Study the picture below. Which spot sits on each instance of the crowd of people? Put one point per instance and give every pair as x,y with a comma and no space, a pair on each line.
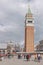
28,57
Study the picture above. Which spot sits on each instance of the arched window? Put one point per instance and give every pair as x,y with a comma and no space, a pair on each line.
29,21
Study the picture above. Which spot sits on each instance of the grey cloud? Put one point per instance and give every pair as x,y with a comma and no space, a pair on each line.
13,16
39,27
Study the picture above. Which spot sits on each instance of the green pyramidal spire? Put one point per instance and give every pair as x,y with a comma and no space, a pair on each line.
29,11
29,14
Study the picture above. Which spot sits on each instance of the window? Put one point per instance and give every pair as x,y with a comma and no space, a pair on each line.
29,21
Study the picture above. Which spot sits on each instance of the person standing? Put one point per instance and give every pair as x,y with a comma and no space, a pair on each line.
39,57
27,57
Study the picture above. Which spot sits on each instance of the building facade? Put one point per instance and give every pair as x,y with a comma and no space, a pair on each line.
39,47
7,48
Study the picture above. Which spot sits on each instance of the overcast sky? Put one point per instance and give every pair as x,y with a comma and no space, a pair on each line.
12,17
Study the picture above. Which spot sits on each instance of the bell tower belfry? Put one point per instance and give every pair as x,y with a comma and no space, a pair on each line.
29,32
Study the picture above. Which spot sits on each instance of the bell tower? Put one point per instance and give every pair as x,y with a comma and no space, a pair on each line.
29,32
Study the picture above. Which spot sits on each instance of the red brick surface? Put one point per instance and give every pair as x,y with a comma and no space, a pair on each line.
29,38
